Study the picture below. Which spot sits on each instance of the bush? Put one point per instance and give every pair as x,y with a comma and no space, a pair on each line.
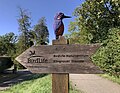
5,62
108,56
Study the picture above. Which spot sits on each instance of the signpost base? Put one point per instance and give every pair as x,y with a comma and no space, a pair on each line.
60,82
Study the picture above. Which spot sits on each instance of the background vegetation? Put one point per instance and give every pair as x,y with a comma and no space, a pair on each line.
98,21
13,45
5,62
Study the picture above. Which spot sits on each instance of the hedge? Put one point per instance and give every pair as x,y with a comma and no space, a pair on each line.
108,56
5,62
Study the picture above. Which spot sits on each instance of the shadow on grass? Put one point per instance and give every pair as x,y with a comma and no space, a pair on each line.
21,76
6,77
35,76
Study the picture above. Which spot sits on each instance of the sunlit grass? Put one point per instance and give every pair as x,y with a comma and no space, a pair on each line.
112,78
37,84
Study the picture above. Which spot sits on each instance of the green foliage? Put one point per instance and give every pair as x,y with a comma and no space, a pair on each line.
24,28
94,19
112,78
108,56
41,31
5,62
98,21
7,44
8,48
11,45
28,36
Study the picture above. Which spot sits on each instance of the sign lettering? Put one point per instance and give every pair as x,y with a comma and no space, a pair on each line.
59,59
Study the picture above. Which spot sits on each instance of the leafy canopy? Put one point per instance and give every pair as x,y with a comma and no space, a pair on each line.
98,21
24,28
7,44
41,31
94,19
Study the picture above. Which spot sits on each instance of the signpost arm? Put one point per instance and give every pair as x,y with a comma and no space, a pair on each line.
60,82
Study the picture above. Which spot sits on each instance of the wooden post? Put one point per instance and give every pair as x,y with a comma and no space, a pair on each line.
60,82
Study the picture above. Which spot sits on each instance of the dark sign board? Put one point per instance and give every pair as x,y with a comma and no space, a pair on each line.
60,59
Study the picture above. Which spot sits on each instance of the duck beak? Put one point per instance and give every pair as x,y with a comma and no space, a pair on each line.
67,16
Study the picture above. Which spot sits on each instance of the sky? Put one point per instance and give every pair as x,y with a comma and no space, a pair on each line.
9,13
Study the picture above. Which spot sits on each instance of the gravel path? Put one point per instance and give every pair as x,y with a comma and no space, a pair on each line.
90,83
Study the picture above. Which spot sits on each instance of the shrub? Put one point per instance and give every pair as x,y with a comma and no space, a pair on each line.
108,56
5,62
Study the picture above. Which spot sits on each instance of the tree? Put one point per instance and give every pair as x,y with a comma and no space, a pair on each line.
41,32
98,21
7,44
24,28
29,36
94,19
7,48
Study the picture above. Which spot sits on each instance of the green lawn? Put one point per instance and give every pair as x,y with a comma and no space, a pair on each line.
37,84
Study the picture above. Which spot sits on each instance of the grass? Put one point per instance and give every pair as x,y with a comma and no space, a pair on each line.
37,84
112,78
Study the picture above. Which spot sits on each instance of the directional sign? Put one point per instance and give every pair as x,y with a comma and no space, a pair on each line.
59,59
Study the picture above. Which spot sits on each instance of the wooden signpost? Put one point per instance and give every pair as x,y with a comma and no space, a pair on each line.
60,59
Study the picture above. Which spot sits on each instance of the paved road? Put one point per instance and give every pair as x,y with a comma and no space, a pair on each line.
90,83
